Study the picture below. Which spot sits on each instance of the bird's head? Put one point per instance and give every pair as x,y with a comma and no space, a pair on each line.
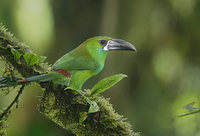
99,46
104,44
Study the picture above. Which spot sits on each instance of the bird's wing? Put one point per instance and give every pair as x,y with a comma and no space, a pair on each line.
71,63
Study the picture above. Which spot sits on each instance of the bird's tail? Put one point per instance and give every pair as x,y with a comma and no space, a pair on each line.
9,81
14,81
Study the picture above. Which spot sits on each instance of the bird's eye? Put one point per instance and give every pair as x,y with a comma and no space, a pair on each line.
103,42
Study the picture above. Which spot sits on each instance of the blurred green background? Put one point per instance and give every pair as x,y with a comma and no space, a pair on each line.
164,74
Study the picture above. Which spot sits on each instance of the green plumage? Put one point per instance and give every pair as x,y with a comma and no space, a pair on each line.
85,61
82,63
76,67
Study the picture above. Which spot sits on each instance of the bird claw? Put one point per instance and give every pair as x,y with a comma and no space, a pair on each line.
93,105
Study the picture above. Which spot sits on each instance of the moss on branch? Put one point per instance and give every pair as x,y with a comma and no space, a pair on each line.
61,106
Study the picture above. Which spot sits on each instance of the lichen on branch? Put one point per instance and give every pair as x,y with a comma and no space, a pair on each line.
62,106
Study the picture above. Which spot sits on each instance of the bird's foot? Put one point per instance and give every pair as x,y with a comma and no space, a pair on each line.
93,105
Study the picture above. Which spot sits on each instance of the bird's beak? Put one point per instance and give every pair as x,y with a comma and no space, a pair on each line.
117,44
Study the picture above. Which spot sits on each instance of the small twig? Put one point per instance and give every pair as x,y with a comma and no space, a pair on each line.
13,102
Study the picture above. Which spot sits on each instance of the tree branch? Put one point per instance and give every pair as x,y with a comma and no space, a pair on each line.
13,102
61,106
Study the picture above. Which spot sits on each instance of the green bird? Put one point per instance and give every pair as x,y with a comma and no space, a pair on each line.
76,67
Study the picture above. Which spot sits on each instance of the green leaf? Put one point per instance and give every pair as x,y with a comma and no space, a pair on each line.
106,83
191,109
15,53
42,59
30,59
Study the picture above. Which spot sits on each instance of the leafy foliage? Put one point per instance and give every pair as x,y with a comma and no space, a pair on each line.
15,53
106,83
30,59
42,59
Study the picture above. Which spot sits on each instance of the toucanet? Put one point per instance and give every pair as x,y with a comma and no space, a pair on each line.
76,67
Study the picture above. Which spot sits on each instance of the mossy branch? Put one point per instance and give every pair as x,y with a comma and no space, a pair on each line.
61,106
